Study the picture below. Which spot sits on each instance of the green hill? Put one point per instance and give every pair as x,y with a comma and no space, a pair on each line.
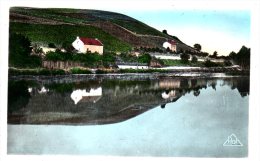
57,34
118,32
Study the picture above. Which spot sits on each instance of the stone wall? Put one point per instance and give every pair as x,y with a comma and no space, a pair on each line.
61,64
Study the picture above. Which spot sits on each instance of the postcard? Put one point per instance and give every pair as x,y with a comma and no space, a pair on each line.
111,81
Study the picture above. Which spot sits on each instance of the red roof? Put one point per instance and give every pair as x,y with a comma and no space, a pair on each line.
172,42
90,41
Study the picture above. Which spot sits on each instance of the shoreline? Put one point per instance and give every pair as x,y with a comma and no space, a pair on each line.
122,76
171,70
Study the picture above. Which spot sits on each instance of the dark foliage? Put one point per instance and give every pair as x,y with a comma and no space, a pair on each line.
197,47
185,58
18,95
19,52
145,58
209,63
242,58
194,59
51,45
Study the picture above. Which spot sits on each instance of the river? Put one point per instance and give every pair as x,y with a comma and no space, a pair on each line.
129,116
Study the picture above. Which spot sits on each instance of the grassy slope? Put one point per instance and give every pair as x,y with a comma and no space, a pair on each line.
60,33
77,16
138,27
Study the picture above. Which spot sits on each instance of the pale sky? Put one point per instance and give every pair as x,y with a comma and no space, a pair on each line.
221,31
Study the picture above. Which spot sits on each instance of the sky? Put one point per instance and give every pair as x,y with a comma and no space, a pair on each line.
215,30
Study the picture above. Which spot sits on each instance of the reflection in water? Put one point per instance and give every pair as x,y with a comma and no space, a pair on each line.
198,116
30,89
102,101
169,83
169,95
43,90
82,95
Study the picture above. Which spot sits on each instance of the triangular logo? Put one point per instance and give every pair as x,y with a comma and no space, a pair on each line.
232,141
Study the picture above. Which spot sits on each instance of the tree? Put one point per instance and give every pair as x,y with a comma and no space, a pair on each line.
165,32
215,54
197,47
185,58
194,59
232,55
243,57
205,54
20,52
67,46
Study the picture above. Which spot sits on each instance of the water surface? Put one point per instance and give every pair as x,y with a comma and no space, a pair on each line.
129,117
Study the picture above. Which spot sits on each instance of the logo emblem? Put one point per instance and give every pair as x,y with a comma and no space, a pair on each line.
232,141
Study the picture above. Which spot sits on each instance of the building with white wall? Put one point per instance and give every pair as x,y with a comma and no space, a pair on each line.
84,45
171,44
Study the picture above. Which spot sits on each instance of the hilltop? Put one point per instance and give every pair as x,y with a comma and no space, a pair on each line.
118,32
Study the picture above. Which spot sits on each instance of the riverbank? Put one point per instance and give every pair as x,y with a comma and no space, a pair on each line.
179,70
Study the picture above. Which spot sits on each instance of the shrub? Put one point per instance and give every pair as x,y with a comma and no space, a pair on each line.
80,71
227,63
51,45
209,63
145,58
185,58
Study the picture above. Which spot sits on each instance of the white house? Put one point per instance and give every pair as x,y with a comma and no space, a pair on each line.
84,45
171,44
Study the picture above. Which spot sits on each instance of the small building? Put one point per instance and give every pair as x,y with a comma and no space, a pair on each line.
84,45
132,66
171,44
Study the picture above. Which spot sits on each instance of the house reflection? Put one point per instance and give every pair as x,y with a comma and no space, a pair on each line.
80,95
169,95
43,90
103,102
169,83
35,90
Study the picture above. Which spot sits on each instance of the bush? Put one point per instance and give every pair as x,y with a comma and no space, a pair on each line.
145,58
185,58
51,45
90,59
80,71
227,63
209,63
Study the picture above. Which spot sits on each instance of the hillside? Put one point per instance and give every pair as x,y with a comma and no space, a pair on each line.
118,32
